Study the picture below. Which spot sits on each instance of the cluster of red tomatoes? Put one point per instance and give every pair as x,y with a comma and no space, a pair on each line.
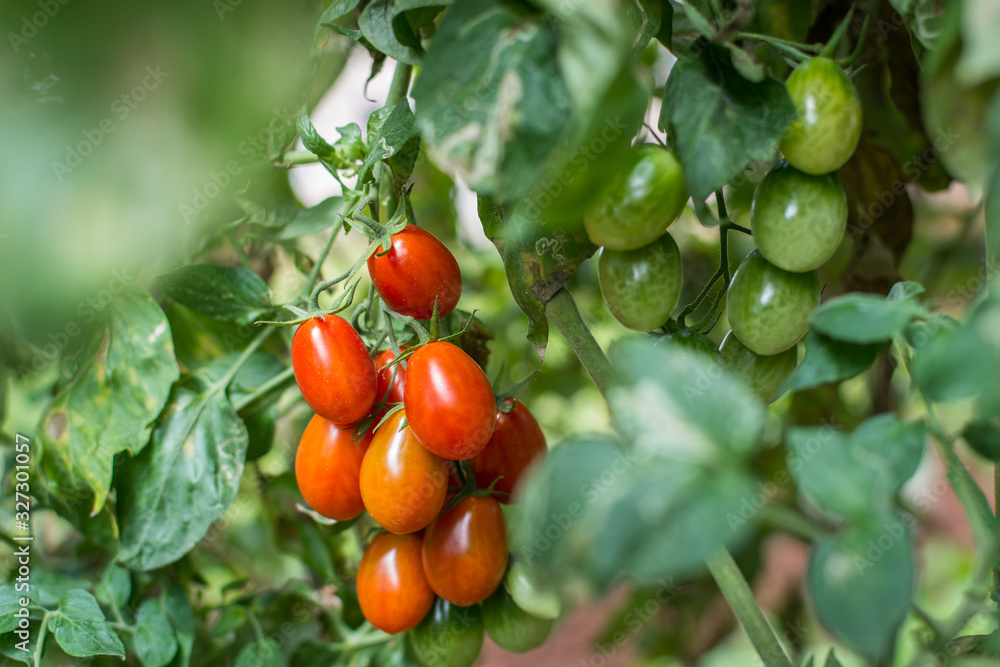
798,218
438,542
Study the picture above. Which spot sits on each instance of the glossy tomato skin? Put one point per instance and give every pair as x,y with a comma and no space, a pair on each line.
449,401
512,628
328,468
798,219
768,307
465,551
416,270
392,590
638,205
764,374
333,369
641,287
690,341
392,380
449,636
828,126
402,484
517,441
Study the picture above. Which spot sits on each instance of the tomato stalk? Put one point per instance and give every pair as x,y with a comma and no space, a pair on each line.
737,592
992,219
398,89
561,310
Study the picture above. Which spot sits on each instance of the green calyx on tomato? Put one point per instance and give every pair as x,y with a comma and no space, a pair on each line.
764,374
641,287
828,126
768,308
449,636
798,219
638,205
512,628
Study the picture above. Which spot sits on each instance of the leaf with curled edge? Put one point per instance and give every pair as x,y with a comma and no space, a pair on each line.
126,367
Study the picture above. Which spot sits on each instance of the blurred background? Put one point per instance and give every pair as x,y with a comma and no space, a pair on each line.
130,133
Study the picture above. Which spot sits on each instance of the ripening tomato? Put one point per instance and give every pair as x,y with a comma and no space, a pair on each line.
512,628
828,126
392,590
768,307
333,369
639,204
417,270
517,441
328,468
392,379
449,636
798,219
641,287
689,341
449,402
402,484
764,373
465,551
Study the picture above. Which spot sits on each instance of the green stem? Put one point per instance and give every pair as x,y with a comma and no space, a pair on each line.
398,89
992,219
318,265
838,35
790,521
40,646
279,381
561,310
238,247
241,360
361,642
737,592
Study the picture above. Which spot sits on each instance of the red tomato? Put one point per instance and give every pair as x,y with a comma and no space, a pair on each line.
417,269
449,401
333,369
402,484
392,589
387,382
465,551
328,468
516,442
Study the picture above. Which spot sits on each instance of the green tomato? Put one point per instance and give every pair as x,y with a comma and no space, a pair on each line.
764,374
512,628
690,341
798,219
530,593
828,126
768,307
449,636
639,204
641,287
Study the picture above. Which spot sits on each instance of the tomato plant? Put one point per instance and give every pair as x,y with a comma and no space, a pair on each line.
328,468
402,484
392,590
465,551
642,286
761,236
449,401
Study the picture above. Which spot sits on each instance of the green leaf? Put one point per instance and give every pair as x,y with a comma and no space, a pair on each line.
385,25
700,23
338,9
831,660
154,639
830,360
682,407
233,617
643,19
906,289
81,629
396,142
115,587
984,437
260,417
126,367
494,120
182,617
717,121
10,602
980,59
852,475
233,294
864,318
959,362
184,481
666,32
9,644
264,653
861,583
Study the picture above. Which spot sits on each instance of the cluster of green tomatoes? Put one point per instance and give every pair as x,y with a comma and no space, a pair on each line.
798,218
